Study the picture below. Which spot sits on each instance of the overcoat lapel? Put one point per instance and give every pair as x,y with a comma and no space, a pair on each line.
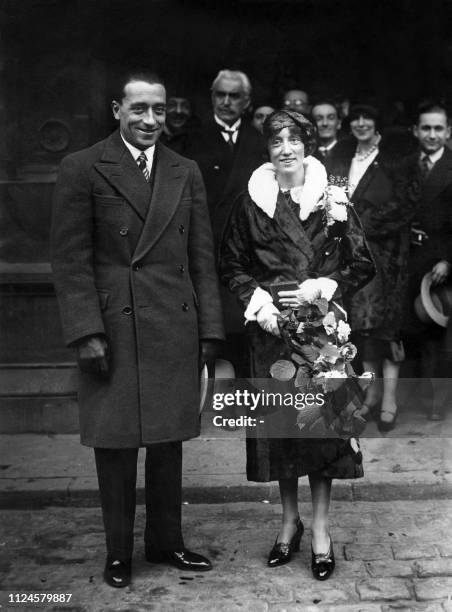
169,182
439,177
292,227
119,168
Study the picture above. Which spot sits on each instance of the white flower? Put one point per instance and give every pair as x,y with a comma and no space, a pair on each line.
331,380
335,204
348,351
343,331
337,212
329,323
336,195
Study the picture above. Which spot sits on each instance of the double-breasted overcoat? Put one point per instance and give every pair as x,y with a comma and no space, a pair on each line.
134,261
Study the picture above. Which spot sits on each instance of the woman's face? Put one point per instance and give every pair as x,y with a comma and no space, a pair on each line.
286,151
363,129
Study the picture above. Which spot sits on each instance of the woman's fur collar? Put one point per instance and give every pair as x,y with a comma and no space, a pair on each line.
263,187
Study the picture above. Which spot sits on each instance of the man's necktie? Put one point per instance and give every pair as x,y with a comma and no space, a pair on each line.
142,165
426,165
229,134
324,152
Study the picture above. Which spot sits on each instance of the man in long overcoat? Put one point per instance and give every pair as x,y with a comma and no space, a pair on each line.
134,271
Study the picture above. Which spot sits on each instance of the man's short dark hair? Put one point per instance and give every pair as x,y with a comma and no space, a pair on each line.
148,76
328,101
431,106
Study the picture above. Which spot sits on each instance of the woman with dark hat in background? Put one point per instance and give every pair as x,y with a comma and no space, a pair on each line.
376,189
276,234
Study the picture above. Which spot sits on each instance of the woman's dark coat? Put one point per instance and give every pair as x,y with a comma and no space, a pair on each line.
385,209
258,251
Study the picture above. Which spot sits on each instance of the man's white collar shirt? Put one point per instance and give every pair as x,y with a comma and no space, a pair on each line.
324,149
233,130
434,157
149,152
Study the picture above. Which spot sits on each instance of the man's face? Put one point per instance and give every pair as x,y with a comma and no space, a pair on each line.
178,112
229,100
327,121
141,113
260,115
296,100
432,131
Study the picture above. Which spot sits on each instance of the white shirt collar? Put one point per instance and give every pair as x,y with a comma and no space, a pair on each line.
328,147
225,126
149,152
433,156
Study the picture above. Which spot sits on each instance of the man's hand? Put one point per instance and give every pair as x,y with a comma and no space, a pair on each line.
92,355
266,317
440,272
209,350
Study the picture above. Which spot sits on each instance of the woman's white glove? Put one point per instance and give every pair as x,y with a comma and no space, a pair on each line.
267,318
309,290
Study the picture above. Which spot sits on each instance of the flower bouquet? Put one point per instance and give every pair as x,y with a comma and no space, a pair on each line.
317,334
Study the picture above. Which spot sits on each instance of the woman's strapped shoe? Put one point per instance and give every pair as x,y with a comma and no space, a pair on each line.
322,565
281,552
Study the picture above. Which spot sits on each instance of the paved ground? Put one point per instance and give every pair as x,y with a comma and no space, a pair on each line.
413,462
390,556
392,529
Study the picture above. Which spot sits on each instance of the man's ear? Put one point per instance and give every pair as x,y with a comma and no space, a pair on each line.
115,106
415,131
247,103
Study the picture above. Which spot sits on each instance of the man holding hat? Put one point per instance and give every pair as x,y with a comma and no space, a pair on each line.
431,169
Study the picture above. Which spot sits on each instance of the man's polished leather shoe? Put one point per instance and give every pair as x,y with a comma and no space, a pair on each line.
182,559
117,573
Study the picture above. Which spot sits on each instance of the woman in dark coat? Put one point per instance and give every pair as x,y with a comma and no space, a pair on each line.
277,234
376,189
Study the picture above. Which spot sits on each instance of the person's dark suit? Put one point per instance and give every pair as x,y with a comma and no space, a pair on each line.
133,262
328,157
226,172
434,217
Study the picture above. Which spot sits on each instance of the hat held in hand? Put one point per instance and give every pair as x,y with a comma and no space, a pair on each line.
434,303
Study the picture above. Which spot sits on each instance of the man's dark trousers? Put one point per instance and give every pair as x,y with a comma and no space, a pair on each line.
117,474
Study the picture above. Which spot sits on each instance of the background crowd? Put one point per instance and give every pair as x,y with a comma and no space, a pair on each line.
398,172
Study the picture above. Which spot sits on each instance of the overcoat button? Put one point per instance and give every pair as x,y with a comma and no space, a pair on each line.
216,167
327,252
181,269
137,266
127,310
185,306
124,231
181,229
